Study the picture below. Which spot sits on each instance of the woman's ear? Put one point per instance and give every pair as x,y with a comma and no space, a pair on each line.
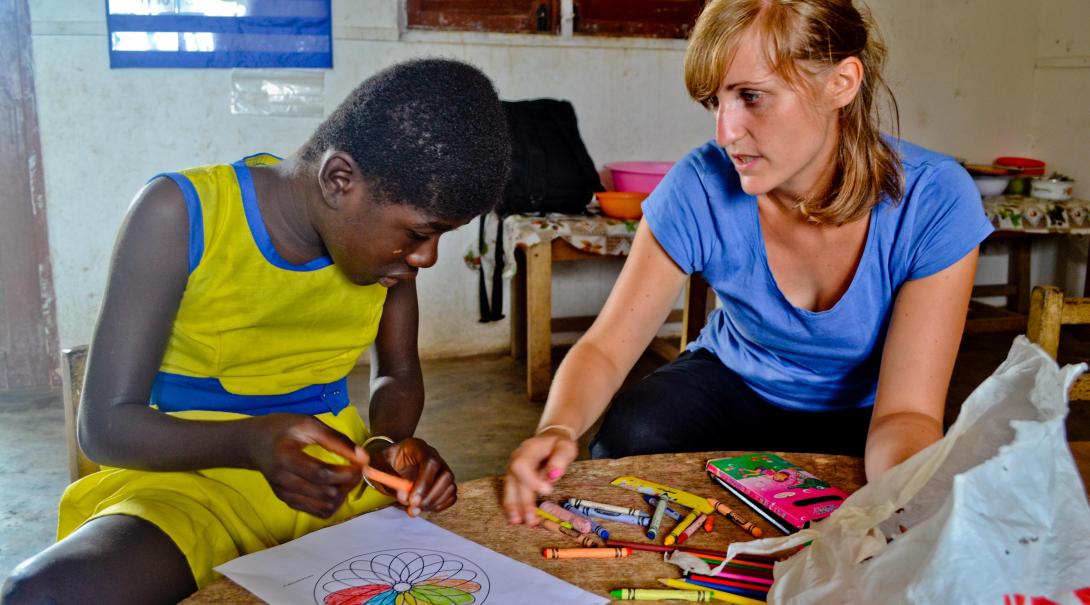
844,82
337,176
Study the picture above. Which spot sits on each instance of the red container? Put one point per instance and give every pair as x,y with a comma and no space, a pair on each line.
638,176
1023,166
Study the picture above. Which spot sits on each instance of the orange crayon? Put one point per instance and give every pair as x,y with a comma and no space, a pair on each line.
726,511
586,553
709,524
393,481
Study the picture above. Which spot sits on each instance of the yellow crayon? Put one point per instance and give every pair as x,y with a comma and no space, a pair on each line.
587,540
586,553
718,595
680,527
653,594
553,518
656,489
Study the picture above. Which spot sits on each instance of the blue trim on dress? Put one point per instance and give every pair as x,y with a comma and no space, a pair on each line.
257,223
196,216
178,393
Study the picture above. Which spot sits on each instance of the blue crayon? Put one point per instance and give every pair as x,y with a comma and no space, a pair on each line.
594,527
673,514
608,515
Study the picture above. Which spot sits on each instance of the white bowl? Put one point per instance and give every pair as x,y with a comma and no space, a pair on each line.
1051,189
991,185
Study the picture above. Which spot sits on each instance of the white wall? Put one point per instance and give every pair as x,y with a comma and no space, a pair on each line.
105,132
1061,118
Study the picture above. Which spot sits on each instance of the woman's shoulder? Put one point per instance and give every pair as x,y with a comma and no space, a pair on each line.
922,165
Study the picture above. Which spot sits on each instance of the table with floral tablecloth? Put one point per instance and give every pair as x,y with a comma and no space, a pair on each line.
1033,215
608,236
588,233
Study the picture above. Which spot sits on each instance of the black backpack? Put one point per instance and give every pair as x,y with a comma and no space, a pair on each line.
551,171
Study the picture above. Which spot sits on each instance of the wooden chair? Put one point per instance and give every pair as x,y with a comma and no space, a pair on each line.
73,362
1049,310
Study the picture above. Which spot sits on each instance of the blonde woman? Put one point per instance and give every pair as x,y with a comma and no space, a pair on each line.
843,259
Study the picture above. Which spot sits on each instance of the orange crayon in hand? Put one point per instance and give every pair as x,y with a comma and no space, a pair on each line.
586,553
392,481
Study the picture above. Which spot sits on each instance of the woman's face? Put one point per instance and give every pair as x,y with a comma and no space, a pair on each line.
779,139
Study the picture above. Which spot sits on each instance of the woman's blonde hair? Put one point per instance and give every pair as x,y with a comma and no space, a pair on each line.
802,37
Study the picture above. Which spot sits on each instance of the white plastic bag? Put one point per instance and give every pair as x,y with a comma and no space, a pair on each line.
994,512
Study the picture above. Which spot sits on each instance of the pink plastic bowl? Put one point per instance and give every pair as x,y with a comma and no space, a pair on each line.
637,176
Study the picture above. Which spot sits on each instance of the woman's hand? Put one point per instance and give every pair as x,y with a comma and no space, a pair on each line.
433,482
302,481
534,466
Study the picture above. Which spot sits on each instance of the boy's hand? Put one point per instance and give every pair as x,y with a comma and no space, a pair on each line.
302,481
433,482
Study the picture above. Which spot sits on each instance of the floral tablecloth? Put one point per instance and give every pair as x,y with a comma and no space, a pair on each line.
595,234
1015,213
603,235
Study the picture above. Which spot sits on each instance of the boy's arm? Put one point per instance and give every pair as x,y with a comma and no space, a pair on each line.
148,276
397,400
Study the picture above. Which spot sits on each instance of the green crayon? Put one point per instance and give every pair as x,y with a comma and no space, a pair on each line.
658,594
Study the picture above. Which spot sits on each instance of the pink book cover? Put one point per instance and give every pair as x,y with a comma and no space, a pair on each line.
790,492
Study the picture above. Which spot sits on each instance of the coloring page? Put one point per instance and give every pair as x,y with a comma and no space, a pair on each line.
388,558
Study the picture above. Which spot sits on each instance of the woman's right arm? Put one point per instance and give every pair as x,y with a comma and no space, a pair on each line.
593,371
148,275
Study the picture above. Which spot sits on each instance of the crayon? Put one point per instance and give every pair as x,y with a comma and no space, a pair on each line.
680,527
553,518
652,594
581,524
594,527
586,553
398,483
692,529
624,510
727,512
606,515
683,498
670,512
719,595
709,524
656,519
587,540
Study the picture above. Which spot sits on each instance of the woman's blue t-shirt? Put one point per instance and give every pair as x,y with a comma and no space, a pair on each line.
796,358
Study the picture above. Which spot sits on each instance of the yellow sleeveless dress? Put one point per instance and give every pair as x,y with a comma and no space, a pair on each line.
254,334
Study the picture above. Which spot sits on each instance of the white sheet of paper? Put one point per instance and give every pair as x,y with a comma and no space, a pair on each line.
376,557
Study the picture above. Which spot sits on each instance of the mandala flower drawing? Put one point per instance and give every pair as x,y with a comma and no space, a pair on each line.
403,577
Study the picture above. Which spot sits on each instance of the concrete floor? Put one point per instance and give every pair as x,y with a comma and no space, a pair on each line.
476,414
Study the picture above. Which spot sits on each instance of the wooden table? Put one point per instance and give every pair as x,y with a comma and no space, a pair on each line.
478,517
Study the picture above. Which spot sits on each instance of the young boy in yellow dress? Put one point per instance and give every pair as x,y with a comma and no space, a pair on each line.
239,298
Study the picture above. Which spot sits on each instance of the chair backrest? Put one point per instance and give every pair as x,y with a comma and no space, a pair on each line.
1049,310
73,362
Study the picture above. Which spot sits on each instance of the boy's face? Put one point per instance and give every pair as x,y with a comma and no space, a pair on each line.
384,243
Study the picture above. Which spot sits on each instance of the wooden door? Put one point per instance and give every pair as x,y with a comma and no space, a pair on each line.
28,333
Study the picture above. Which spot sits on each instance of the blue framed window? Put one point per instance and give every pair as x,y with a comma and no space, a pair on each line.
220,33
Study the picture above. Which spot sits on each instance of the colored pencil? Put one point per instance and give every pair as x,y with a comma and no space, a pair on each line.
749,592
736,577
718,594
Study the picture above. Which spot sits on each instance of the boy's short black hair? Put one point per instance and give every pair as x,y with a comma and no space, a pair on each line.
430,133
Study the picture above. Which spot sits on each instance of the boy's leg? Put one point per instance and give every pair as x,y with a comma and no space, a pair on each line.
111,559
692,404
